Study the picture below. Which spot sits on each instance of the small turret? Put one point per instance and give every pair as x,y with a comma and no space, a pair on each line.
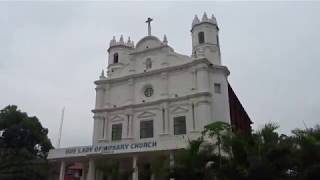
121,42
205,39
119,51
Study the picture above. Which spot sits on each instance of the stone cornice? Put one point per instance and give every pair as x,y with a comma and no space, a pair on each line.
119,45
150,49
165,69
206,22
160,101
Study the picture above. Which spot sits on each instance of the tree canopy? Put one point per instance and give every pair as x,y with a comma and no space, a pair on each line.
24,146
263,154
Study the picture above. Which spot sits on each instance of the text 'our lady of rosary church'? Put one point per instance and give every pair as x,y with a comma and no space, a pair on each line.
150,102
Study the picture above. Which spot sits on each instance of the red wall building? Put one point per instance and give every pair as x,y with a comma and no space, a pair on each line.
240,120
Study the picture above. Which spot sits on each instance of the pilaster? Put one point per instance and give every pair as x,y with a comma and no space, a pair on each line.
202,78
164,81
107,95
130,93
100,90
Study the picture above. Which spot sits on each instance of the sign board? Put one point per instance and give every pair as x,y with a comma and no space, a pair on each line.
117,148
111,148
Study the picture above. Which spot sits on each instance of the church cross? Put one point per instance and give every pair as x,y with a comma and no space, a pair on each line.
149,25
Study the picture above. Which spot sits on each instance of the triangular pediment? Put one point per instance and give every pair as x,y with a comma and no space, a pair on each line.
116,118
146,114
179,109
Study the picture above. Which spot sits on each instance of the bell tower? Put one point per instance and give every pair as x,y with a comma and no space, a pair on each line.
205,39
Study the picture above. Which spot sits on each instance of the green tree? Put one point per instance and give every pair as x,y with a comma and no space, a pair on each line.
24,146
307,152
220,132
263,154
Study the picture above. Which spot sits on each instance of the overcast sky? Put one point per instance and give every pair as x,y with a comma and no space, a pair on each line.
50,54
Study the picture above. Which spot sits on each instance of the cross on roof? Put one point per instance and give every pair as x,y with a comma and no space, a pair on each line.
149,25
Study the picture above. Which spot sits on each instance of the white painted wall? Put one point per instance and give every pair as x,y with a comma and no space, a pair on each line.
183,86
174,87
179,82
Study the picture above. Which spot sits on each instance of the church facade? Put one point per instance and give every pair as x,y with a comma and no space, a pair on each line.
151,100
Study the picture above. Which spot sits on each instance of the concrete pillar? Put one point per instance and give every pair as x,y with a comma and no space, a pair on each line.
165,118
62,170
130,128
135,174
91,170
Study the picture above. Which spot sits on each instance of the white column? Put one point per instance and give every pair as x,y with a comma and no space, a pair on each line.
135,174
91,170
62,170
130,124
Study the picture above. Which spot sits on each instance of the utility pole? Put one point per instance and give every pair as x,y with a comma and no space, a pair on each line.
60,129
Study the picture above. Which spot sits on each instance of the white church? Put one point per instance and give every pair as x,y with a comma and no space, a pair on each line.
150,101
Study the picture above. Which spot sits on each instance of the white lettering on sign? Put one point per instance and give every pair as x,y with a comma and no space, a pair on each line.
111,148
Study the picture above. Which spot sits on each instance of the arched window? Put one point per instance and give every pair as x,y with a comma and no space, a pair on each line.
201,37
148,63
115,58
